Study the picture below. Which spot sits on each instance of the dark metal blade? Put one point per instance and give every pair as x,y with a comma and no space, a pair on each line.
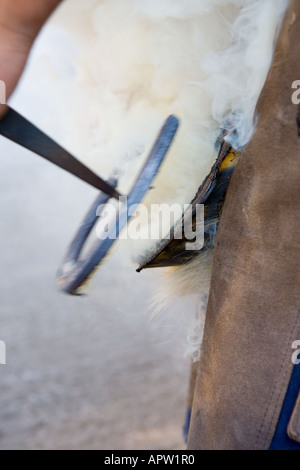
18,129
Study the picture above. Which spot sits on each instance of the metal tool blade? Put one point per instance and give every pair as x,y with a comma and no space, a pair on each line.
18,129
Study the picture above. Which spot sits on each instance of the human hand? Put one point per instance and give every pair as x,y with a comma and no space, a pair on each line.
20,23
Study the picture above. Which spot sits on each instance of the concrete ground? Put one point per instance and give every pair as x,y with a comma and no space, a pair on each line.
82,373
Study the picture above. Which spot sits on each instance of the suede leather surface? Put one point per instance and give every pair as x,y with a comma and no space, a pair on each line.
253,314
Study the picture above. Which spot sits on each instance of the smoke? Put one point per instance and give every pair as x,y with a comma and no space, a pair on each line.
205,61
238,74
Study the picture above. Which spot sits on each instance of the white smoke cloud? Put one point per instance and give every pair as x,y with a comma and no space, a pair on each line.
137,61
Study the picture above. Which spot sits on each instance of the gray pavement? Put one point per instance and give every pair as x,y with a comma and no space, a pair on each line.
82,373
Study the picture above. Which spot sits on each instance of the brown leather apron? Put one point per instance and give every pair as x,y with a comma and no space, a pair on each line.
253,314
